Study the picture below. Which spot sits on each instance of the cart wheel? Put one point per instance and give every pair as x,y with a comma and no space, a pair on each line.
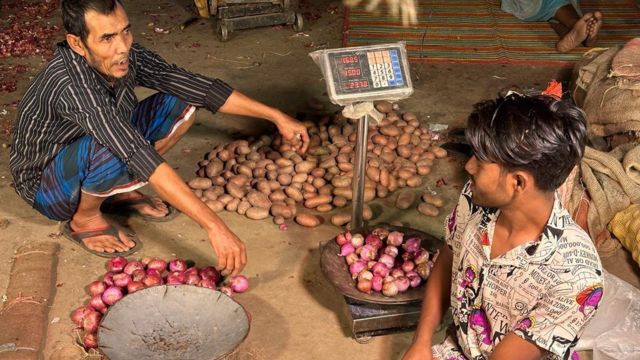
299,23
363,339
223,31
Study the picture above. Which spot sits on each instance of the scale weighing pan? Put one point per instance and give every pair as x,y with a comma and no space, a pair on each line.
173,322
336,270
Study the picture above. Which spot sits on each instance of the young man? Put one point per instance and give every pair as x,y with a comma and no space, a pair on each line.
573,29
521,278
83,138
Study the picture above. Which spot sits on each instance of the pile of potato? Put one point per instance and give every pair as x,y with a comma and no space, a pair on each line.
265,177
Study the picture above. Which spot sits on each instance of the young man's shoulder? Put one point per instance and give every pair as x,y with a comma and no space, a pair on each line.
575,250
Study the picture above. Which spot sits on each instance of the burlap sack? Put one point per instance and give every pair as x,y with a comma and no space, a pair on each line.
625,225
612,104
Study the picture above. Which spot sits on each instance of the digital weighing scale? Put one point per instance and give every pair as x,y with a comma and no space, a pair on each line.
356,76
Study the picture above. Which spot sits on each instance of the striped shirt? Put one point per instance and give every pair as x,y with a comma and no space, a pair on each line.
69,99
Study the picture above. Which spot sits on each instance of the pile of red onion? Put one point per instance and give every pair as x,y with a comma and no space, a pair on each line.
128,276
385,261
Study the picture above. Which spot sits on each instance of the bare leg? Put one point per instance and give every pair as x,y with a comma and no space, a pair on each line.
88,216
159,208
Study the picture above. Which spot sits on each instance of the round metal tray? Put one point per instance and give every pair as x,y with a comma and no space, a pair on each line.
173,322
336,270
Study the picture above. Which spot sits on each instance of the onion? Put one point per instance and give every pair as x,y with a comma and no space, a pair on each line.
152,280
176,278
357,240
373,240
382,233
78,315
91,321
116,264
145,260
388,278
341,239
138,275
387,260
376,283
134,286
407,256
364,286
423,270
411,274
367,252
408,266
415,281
380,269
346,249
356,268
226,290
90,341
191,270
365,275
192,279
132,266
211,273
97,288
207,283
238,283
402,283
97,304
158,265
112,295
108,278
177,265
153,272
351,258
121,280
395,238
370,264
390,288
391,251
348,236
421,257
396,273
412,244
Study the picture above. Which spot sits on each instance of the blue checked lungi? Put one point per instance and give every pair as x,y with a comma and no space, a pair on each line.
87,166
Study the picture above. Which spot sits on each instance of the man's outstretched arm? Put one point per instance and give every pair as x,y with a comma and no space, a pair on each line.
435,303
229,249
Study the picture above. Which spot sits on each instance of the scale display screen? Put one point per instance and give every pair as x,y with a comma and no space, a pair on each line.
366,73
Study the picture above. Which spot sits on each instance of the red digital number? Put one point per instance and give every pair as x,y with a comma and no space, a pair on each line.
351,72
350,59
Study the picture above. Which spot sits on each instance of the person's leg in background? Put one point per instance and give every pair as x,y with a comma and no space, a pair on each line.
574,29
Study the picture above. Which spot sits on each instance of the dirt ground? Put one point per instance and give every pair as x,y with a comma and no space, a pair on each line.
296,313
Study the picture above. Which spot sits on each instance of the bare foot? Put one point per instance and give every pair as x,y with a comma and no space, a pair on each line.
157,209
576,36
102,243
593,26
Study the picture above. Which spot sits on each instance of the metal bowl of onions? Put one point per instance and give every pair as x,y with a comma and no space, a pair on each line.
173,322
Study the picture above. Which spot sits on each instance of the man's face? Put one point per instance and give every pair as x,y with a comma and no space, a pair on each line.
489,183
108,42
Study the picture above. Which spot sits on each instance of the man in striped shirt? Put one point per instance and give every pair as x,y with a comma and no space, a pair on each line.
83,143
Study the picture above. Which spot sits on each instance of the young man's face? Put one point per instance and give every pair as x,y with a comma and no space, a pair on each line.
108,42
489,183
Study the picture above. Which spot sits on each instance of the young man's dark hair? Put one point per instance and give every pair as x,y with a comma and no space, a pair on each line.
539,134
73,12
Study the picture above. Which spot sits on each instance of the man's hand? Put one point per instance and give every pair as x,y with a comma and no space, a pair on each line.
418,352
230,251
293,132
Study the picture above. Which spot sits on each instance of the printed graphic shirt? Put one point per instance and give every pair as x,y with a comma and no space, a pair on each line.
544,291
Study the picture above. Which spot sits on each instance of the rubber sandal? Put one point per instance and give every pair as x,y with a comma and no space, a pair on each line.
78,236
125,208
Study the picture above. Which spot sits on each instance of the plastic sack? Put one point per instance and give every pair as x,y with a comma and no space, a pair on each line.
614,332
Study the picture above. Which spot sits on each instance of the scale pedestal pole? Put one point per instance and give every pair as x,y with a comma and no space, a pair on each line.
359,173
